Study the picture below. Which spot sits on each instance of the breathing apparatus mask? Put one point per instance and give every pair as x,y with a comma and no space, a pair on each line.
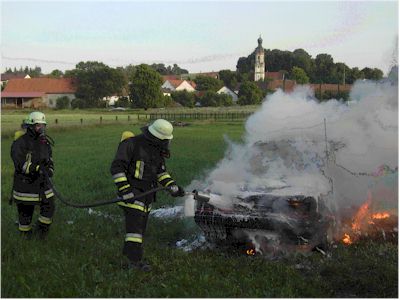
37,130
40,130
162,145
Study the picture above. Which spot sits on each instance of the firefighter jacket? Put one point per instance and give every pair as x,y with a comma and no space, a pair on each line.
30,153
139,165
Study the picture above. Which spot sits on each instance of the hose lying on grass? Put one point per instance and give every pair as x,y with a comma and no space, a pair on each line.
62,199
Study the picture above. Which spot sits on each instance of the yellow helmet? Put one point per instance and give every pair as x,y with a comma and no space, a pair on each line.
161,129
36,117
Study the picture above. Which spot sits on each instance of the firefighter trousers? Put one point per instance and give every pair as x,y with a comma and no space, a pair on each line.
25,213
135,228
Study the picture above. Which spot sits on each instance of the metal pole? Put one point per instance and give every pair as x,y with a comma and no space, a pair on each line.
326,141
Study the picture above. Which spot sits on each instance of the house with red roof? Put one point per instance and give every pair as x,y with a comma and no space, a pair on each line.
280,75
5,77
172,85
36,92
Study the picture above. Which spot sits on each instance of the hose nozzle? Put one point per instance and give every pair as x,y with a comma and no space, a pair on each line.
200,196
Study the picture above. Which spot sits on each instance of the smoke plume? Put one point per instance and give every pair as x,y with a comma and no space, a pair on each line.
295,145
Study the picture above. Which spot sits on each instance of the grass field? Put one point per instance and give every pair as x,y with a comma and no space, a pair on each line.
82,255
12,119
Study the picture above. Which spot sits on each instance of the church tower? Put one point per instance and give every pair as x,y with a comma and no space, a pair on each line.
259,67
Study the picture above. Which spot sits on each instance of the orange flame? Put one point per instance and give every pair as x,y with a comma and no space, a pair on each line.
250,252
360,215
346,239
383,215
361,219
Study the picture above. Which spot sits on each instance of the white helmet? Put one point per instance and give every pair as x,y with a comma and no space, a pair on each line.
36,117
161,129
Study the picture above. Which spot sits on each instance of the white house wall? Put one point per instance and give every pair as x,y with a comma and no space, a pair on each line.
185,86
225,90
168,85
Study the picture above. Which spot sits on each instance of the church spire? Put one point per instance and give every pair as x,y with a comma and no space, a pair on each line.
259,66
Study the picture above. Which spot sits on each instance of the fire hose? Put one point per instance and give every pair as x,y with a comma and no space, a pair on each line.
115,200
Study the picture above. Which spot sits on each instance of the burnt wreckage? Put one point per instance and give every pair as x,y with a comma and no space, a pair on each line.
269,224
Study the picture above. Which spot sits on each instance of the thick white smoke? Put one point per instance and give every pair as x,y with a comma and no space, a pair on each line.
296,145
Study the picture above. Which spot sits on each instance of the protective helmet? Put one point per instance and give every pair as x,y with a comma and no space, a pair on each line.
161,129
36,117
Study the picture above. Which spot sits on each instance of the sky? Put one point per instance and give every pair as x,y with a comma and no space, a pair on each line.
198,36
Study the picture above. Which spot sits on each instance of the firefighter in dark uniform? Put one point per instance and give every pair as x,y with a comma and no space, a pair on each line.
32,155
138,166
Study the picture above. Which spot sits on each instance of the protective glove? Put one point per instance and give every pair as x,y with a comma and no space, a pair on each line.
35,169
176,191
50,171
46,166
127,196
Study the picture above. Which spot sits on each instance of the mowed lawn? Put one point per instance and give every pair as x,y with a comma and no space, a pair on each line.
82,255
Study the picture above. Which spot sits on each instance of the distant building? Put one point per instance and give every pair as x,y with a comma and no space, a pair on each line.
275,75
173,85
111,100
5,77
259,66
36,92
229,92
284,84
173,77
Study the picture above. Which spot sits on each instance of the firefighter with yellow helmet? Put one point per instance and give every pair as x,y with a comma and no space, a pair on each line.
139,166
32,155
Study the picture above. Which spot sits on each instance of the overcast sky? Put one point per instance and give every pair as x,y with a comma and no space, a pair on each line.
198,36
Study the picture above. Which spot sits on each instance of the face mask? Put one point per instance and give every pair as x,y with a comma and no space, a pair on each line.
40,131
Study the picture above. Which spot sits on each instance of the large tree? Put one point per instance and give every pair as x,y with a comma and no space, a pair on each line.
56,73
372,74
229,78
210,98
206,83
184,98
95,81
163,70
249,93
277,60
323,68
299,75
245,65
304,61
145,87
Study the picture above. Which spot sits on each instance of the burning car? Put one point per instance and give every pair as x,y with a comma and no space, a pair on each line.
270,212
264,223
281,198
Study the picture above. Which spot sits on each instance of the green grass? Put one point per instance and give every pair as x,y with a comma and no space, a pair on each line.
82,255
11,119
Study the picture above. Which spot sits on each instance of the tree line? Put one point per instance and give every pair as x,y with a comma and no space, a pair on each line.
300,66
140,86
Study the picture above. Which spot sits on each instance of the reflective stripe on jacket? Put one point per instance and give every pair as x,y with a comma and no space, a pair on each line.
139,163
27,152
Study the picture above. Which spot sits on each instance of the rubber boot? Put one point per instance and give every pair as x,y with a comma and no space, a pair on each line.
42,230
139,265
